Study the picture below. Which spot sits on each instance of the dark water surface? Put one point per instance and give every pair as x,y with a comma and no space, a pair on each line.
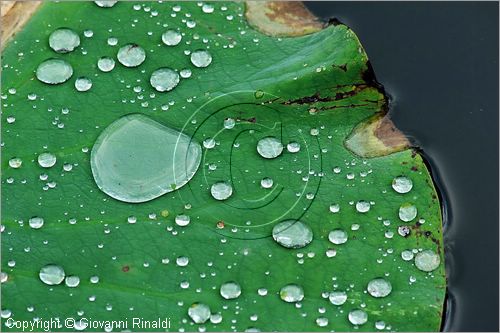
439,61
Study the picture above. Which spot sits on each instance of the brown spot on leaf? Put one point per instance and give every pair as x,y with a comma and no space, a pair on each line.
282,18
15,14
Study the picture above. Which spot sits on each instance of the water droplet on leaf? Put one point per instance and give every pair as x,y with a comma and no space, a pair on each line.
52,274
337,297
402,184
83,84
427,260
269,147
47,160
54,71
358,317
221,190
119,154
337,236
292,234
171,37
201,58
230,290
63,40
164,79
199,313
292,293
36,222
407,212
379,287
131,55
106,64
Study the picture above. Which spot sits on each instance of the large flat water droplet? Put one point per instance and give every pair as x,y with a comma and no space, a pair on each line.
292,234
63,40
137,159
54,71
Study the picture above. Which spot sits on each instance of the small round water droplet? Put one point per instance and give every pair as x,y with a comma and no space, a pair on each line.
258,94
131,55
266,182
337,297
88,33
54,71
52,274
334,208
379,287
106,3
262,291
182,220
15,162
358,317
182,261
47,160
63,40
207,8
292,293
337,236
164,79
363,206
402,184
407,212
132,219
269,147
221,190
185,73
106,64
112,41
171,37
201,58
36,222
293,147
407,255
229,123
427,260
380,325
209,143
72,281
404,231
292,234
83,84
216,318
230,290
322,321
199,313
331,253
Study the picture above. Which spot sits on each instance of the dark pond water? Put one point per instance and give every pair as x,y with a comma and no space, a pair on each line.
439,61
